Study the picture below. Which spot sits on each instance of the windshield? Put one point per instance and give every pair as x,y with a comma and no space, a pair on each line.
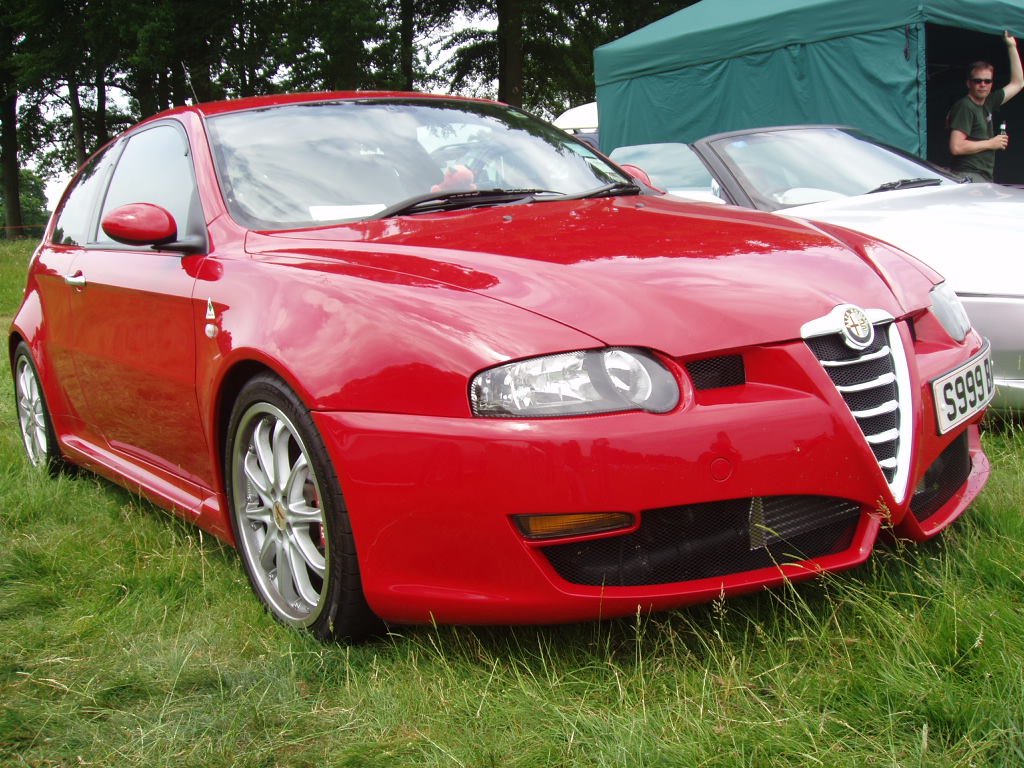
309,164
780,169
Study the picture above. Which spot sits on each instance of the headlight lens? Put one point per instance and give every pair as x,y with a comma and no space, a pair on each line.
575,383
950,311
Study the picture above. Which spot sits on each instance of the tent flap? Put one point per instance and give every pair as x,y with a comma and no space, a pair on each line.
722,65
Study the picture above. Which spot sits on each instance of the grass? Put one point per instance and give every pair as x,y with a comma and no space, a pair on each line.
129,638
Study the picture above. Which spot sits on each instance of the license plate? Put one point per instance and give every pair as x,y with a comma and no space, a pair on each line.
962,393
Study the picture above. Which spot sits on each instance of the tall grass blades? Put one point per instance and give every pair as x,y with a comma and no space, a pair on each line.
127,638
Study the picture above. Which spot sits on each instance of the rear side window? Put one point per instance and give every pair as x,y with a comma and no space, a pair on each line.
76,221
155,167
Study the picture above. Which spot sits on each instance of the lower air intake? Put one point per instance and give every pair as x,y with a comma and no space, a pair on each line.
942,480
705,540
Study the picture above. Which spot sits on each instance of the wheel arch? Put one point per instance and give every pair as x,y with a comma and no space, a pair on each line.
231,385
26,327
13,340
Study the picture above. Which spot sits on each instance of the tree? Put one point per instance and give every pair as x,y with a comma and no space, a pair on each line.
541,53
415,20
9,127
75,72
32,194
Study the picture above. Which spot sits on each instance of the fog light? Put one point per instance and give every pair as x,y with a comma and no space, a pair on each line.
562,526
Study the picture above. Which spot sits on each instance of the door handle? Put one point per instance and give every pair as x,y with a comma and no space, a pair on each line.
77,279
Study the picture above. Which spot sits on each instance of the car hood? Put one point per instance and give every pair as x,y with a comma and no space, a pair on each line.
679,277
973,234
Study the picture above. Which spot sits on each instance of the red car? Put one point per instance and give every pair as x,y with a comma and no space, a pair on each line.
430,359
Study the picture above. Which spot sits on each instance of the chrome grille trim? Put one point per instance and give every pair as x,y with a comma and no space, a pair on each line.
883,352
888,436
881,381
881,410
885,417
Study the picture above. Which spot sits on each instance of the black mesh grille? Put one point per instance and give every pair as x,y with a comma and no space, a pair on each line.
863,401
872,425
885,451
857,374
852,368
943,479
705,540
715,372
832,347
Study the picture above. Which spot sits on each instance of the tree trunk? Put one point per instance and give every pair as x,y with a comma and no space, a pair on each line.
77,126
9,163
9,169
510,51
102,136
407,31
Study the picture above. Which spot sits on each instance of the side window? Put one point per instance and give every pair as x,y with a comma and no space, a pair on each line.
155,167
76,220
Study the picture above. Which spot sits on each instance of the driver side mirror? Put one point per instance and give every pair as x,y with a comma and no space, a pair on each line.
140,224
148,224
640,175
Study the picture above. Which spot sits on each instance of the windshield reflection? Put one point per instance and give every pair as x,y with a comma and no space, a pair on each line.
310,164
785,168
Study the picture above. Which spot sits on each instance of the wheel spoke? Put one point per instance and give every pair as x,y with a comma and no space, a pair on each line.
301,582
302,539
285,573
281,443
302,497
268,550
260,514
256,475
264,452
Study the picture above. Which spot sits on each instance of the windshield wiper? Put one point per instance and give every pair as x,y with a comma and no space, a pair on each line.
889,186
449,201
608,190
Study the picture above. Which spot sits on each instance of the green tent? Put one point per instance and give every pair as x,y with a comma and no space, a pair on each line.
889,67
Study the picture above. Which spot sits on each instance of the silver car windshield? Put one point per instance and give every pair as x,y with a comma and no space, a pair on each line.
301,165
780,169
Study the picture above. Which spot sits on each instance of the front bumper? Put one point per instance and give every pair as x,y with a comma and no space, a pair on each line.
432,500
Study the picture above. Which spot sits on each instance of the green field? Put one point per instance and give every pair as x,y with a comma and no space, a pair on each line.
128,638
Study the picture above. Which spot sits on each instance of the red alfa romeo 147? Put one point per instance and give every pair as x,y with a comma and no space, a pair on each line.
430,359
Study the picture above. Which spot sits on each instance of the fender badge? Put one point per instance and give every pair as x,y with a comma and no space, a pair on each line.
858,333
210,313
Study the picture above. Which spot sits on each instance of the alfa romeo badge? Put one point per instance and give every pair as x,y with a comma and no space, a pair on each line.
858,333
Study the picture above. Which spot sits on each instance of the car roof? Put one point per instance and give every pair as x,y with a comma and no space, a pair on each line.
778,128
208,109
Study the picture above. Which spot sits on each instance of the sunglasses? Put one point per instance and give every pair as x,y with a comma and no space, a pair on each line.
981,80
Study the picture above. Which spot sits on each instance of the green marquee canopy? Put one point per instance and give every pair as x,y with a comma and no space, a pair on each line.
724,65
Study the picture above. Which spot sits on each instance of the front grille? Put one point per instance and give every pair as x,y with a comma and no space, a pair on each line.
869,381
942,480
717,372
704,540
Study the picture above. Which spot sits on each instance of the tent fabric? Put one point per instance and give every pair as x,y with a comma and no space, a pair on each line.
724,65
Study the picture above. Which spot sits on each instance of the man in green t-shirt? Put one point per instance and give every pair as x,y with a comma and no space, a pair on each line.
973,140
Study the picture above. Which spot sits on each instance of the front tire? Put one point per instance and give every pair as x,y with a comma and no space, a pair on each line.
289,517
37,433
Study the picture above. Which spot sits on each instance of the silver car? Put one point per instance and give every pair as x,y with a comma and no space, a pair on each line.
973,234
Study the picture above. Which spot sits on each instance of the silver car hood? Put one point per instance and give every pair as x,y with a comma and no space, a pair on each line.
973,234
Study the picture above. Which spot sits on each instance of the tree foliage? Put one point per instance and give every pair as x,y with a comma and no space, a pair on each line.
75,72
32,200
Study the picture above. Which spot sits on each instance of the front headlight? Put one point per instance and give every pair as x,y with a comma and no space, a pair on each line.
948,308
575,383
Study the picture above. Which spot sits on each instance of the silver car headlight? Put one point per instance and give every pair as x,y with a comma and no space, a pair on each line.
574,384
950,311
